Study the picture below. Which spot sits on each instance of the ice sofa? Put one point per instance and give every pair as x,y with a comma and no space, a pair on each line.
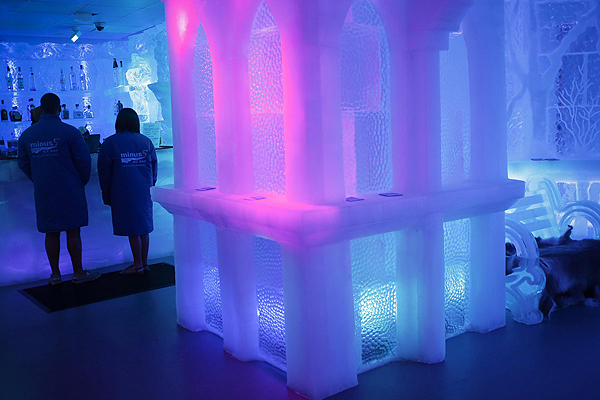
291,118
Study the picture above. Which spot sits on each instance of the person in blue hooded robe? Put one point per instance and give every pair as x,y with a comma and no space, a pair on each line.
56,159
127,169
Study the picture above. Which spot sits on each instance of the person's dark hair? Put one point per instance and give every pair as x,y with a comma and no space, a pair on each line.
50,104
127,121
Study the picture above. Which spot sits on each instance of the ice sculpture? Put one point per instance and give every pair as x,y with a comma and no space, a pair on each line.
299,105
525,283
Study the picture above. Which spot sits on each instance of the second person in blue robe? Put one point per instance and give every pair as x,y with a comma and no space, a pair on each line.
127,169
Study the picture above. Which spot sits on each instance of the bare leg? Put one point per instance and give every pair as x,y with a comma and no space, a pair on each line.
136,249
53,251
145,246
74,247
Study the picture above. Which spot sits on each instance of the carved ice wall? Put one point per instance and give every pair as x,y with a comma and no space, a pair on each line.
553,76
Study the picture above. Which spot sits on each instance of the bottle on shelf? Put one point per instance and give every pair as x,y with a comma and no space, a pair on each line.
87,112
72,80
30,108
116,72
31,80
77,113
122,77
82,78
64,112
20,83
15,114
3,113
9,80
63,82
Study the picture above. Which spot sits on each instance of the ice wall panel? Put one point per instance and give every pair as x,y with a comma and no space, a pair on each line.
365,102
205,111
555,20
455,111
269,291
457,238
266,96
552,79
373,280
210,268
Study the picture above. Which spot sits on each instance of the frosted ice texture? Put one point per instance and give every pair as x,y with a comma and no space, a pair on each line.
205,111
266,96
552,76
519,112
210,268
374,290
365,102
268,266
555,20
457,255
455,111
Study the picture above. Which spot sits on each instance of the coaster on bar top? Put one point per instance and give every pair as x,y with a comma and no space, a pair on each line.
390,194
254,198
351,199
205,188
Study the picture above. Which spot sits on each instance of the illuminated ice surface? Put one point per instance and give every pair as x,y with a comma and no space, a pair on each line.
299,107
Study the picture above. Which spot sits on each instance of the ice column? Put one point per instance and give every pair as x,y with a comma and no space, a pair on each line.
317,282
484,37
182,24
228,27
416,138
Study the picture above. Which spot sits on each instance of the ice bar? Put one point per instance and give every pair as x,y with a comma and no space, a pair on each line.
323,222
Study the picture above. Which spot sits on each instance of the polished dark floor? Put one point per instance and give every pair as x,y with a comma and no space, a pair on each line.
131,348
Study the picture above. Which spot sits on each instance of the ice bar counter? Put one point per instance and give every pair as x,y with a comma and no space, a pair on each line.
314,225
323,221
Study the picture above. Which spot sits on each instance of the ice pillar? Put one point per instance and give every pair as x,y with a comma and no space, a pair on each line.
238,294
421,267
182,25
319,320
310,44
484,37
317,281
420,292
228,26
189,279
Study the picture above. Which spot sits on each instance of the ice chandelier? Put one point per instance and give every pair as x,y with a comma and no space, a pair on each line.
268,252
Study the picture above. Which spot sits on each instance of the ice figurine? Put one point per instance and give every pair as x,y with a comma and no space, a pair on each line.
525,283
284,109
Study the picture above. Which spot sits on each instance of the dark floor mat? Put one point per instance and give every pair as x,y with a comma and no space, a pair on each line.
109,286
